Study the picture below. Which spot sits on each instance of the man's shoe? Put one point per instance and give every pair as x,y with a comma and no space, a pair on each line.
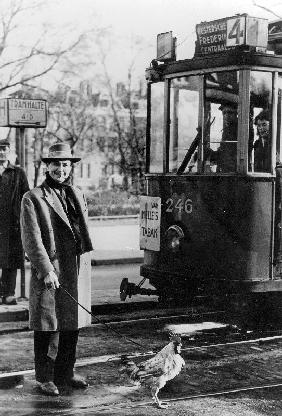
48,388
77,382
9,300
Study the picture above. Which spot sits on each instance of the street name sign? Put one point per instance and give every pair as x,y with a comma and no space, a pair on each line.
15,112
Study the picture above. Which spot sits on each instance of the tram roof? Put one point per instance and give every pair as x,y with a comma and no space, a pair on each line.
232,58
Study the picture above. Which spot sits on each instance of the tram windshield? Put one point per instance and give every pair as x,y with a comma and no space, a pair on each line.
203,123
157,129
184,110
260,122
221,98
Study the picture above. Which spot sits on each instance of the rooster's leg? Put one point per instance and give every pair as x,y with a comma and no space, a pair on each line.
161,405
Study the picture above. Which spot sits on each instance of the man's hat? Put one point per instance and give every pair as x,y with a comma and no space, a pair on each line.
60,151
263,115
4,143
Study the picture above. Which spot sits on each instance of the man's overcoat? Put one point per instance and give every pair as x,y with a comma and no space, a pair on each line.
49,242
13,185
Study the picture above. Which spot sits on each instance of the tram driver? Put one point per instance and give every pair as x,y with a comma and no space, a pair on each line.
224,159
227,151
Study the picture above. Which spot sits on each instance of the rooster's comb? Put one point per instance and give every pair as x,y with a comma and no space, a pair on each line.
176,339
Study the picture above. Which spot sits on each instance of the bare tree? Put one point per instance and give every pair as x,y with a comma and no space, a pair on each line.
73,121
29,50
129,145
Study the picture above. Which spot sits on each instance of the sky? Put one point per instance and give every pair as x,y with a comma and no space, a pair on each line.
147,18
129,19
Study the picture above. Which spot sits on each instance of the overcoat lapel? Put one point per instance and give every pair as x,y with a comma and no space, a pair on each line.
53,200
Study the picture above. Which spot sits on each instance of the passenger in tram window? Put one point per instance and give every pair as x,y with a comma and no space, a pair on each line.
262,146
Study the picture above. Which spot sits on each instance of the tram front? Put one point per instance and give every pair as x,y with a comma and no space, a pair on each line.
210,222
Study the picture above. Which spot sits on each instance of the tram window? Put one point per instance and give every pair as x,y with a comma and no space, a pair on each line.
184,108
260,122
157,122
220,122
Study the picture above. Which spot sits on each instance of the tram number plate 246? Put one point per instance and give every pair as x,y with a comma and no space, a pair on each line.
182,205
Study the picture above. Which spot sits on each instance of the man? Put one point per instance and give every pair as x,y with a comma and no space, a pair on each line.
13,184
227,151
56,239
262,146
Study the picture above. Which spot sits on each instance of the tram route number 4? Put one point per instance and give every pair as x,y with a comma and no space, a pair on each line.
179,205
245,30
236,35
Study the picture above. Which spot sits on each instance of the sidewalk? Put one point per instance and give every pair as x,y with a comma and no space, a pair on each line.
125,256
15,315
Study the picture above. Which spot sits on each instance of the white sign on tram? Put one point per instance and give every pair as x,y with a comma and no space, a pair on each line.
150,223
15,112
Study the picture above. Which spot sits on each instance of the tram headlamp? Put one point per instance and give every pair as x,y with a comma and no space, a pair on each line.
174,237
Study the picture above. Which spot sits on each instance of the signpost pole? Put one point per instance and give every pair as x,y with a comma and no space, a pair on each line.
21,147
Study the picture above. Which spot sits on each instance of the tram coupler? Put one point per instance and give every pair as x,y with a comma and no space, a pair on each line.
130,289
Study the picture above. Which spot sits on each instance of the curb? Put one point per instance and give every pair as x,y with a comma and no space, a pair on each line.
106,262
104,309
14,316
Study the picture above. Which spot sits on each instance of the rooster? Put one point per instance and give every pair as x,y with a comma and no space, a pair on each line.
155,372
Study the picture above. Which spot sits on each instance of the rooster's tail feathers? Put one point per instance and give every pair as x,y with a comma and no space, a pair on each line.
128,367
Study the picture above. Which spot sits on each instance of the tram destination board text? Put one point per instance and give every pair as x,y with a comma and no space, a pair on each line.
16,112
224,34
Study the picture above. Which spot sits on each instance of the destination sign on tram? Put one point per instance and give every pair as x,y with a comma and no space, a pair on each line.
15,112
224,34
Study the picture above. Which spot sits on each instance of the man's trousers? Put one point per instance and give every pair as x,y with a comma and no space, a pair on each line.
8,282
54,355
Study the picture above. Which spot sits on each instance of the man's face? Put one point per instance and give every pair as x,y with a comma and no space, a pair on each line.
263,128
4,153
59,170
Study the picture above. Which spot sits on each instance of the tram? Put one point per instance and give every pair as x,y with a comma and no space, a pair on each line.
210,222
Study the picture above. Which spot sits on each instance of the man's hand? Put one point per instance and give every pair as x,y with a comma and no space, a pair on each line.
51,281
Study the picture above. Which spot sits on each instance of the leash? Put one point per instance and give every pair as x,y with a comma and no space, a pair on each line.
109,327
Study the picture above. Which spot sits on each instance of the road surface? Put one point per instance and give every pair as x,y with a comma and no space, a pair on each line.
106,282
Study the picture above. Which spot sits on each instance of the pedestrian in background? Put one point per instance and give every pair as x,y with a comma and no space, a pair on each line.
56,239
13,185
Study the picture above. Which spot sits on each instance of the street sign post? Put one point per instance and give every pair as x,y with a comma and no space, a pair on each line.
15,112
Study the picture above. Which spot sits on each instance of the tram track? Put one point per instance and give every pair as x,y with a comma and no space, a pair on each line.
82,362
107,408
266,350
213,370
112,314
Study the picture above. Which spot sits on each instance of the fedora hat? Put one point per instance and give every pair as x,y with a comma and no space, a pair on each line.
60,151
4,143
